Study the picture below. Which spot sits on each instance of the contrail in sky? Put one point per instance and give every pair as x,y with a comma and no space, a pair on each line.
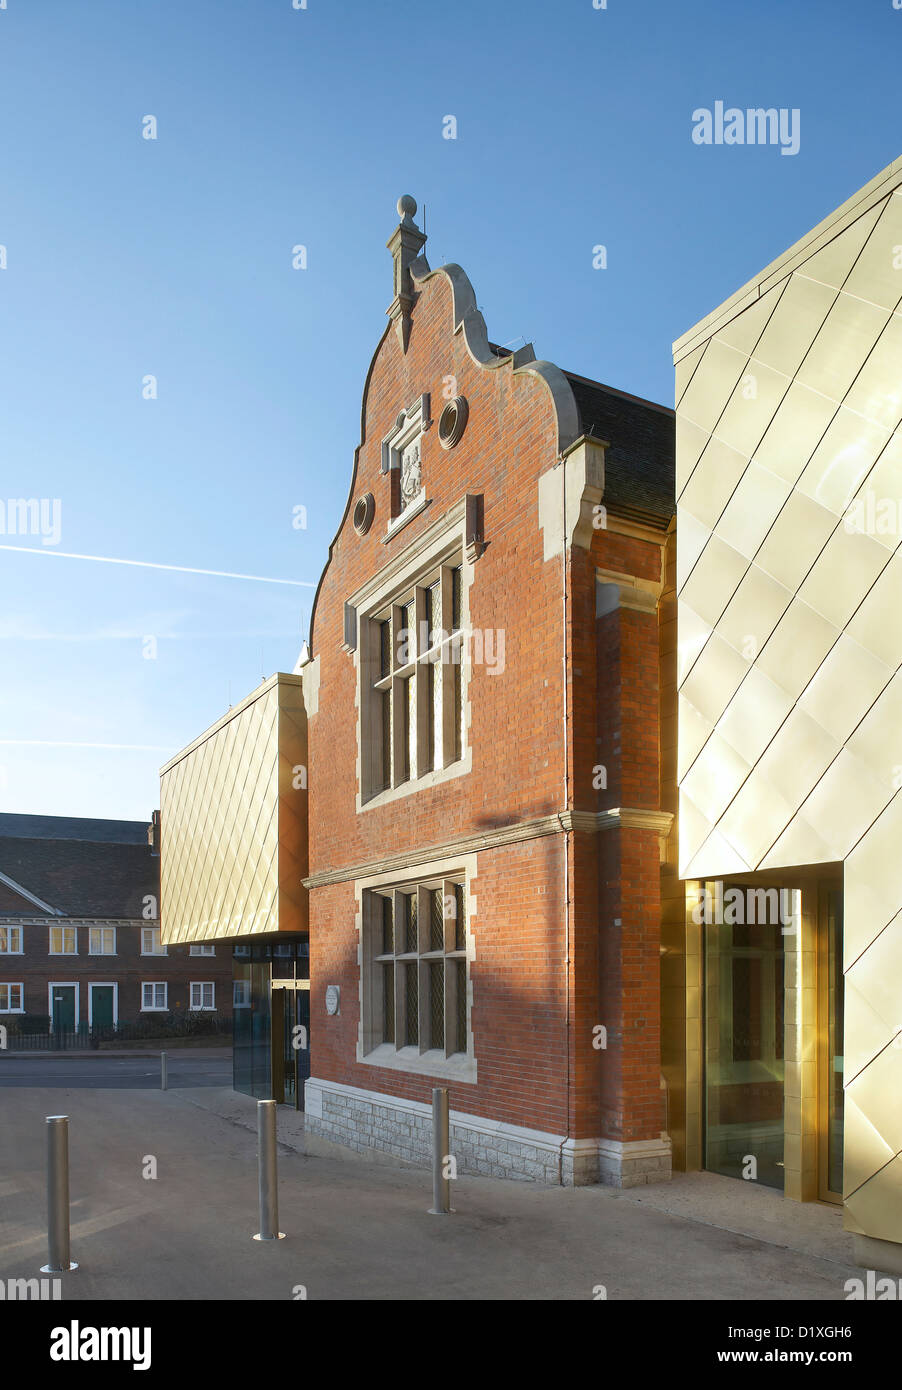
153,565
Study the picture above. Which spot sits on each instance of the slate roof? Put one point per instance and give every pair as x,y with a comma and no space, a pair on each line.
80,878
640,469
639,465
113,832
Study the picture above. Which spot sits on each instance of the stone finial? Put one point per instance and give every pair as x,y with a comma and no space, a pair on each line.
407,207
405,244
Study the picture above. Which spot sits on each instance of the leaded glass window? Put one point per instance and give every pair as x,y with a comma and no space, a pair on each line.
413,723
417,952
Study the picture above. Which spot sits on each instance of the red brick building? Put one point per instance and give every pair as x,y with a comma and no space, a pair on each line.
80,946
487,696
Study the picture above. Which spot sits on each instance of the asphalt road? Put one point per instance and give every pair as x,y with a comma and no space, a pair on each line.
181,1228
112,1073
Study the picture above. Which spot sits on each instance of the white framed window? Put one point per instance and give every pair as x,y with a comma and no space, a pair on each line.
102,941
11,998
154,996
415,996
241,994
10,941
202,950
203,995
151,945
63,941
411,652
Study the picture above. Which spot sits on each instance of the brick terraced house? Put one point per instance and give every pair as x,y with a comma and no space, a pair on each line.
80,941
459,793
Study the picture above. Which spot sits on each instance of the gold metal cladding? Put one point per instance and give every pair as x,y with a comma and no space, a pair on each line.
789,521
234,822
789,622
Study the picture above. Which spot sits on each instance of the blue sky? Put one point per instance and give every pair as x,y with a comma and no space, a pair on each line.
277,126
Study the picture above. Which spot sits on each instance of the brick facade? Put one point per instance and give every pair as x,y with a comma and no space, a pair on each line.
128,968
58,874
566,899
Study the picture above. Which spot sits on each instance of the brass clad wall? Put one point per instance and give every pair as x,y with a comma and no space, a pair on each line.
789,620
234,824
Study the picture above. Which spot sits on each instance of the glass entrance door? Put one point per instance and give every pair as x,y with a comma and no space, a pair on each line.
830,1032
744,1064
290,1041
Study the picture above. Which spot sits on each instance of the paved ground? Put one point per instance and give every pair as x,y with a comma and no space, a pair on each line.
112,1070
360,1230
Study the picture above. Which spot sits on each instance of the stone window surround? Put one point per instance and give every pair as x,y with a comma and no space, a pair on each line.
410,425
420,956
416,666
408,1059
441,543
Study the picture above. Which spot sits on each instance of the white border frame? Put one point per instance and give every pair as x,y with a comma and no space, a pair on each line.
103,926
14,926
155,1008
150,955
61,926
13,984
201,1008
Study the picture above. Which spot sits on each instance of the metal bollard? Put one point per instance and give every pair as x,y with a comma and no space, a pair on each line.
58,1196
441,1145
164,1072
267,1172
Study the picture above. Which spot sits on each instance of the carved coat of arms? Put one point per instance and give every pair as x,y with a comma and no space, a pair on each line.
411,478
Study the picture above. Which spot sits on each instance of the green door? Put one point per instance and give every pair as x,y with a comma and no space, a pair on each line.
102,1006
63,1007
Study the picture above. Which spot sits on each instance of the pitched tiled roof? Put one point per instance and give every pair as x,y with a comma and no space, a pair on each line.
639,465
79,878
113,832
640,469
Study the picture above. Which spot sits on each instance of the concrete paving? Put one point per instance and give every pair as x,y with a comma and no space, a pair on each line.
360,1230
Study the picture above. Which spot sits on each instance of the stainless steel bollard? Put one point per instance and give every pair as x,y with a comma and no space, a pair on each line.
441,1146
267,1172
58,1196
164,1072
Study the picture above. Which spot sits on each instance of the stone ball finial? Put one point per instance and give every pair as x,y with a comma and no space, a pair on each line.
407,206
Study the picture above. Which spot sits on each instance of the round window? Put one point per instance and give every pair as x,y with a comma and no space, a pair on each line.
453,422
364,508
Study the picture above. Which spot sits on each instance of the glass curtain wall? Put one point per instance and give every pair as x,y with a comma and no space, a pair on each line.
255,966
744,1031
